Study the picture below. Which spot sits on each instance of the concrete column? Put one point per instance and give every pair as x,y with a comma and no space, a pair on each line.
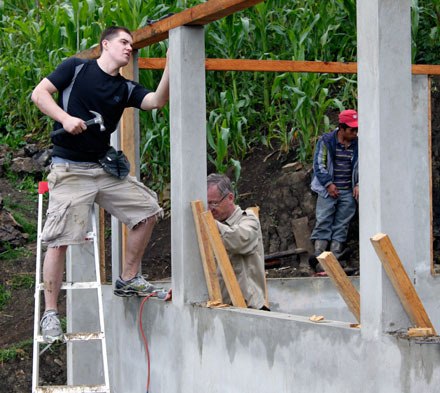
385,139
188,158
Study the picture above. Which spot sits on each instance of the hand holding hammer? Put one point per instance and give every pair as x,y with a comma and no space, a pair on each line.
96,120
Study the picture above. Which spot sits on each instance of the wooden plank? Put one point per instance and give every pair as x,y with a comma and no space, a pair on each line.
206,253
430,156
256,211
400,281
281,66
420,332
343,284
127,138
102,245
301,232
223,261
287,253
425,69
199,15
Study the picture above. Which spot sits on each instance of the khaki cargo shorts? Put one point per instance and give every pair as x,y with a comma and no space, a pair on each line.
74,188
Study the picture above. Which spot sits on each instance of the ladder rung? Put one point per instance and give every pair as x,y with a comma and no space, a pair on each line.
72,389
75,285
82,336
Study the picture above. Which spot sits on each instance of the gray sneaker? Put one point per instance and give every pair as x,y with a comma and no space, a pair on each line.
51,327
138,286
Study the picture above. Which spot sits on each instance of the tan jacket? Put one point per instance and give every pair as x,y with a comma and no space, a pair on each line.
241,235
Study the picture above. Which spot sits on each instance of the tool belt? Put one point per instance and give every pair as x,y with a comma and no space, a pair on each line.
115,163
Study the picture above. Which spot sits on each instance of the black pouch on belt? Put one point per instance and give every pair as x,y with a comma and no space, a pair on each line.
116,163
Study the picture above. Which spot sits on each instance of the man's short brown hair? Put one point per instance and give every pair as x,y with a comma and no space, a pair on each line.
111,32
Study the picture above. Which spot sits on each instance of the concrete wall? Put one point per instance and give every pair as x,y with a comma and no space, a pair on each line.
195,349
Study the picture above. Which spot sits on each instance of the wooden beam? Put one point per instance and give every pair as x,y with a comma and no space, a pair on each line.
343,284
400,281
102,245
127,138
206,254
256,211
301,233
198,15
280,66
223,261
431,201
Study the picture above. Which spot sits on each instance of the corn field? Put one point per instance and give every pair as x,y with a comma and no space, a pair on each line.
284,110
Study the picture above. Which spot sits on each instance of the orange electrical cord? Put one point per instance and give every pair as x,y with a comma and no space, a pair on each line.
145,340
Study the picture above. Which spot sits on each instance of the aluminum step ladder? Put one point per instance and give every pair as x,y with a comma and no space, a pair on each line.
68,337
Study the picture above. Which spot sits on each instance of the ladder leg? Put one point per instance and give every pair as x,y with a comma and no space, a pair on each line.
70,337
36,346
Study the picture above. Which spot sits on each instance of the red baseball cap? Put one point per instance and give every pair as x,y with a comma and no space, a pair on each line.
349,117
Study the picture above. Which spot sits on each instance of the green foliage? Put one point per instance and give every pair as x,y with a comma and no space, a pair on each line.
23,281
11,253
5,295
14,351
425,15
243,109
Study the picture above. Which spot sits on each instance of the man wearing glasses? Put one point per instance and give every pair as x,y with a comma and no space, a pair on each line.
335,180
241,234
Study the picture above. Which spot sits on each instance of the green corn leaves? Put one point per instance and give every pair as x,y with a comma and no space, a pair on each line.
287,110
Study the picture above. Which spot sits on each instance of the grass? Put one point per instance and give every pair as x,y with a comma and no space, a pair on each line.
23,281
15,351
23,208
12,253
5,296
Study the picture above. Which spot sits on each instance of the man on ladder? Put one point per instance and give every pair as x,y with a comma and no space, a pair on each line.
78,176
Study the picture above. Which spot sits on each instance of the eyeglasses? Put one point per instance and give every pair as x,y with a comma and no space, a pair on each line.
217,203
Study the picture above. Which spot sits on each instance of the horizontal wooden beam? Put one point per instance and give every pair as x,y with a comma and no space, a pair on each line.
198,15
281,66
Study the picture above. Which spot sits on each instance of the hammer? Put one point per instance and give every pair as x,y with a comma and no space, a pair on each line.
96,120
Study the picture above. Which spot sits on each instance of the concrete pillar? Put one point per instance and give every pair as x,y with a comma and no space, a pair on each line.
188,158
387,191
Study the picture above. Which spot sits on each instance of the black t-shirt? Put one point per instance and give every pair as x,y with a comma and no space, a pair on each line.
84,86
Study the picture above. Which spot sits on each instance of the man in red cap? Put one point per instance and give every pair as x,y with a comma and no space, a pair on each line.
335,180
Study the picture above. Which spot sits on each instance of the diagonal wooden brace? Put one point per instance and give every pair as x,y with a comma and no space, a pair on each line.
401,282
345,287
206,254
223,261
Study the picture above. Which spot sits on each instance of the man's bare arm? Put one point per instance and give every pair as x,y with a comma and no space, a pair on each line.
42,96
158,99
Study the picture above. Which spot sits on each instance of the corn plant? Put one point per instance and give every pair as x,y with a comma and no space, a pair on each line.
242,108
